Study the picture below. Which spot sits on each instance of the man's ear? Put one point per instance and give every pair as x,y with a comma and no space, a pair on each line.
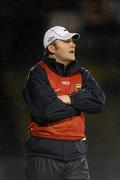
51,48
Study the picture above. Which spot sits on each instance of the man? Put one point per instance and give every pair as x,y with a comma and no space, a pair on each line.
58,92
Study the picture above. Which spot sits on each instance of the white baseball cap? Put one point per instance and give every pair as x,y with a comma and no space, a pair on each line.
58,32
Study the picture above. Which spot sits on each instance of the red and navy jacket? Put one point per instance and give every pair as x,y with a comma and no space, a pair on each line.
54,123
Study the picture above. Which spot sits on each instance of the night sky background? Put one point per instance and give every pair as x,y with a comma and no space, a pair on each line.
22,26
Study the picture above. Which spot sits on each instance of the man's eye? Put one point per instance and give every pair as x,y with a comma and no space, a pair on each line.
70,40
67,41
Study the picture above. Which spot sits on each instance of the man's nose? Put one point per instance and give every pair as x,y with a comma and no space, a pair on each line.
72,44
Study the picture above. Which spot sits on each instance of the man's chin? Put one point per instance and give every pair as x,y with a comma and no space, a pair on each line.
72,59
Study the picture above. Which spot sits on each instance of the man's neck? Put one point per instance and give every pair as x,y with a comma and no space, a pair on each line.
59,60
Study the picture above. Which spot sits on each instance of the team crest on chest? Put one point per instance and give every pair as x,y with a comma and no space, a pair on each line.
78,87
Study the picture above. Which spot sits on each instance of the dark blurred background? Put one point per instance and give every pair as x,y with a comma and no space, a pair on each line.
22,26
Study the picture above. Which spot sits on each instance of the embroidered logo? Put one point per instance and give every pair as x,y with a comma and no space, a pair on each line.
65,83
51,39
57,90
78,87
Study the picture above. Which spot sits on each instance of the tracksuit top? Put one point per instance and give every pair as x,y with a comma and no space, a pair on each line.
71,128
55,129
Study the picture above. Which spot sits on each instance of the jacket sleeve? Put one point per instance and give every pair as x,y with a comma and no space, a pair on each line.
41,100
90,98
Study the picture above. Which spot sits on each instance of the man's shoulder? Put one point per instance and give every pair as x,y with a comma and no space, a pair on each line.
37,67
82,68
36,70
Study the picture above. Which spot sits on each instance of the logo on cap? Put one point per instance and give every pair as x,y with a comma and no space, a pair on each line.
51,39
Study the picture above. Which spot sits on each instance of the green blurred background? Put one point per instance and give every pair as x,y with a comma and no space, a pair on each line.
22,26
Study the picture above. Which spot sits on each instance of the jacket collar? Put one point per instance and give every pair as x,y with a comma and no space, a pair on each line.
58,68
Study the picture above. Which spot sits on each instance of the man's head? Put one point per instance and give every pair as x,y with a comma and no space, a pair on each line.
58,32
59,42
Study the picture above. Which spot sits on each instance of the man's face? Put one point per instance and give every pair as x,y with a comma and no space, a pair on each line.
64,51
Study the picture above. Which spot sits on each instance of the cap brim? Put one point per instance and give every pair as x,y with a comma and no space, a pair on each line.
76,36
68,36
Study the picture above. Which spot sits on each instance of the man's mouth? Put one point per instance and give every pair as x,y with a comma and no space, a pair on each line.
72,51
